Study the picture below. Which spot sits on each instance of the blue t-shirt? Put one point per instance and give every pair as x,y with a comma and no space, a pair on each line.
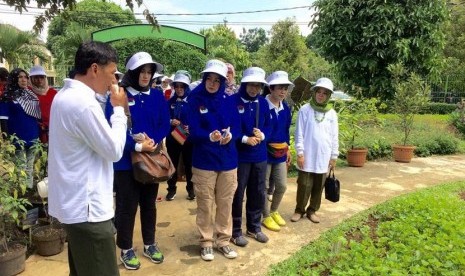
149,114
280,125
253,114
208,112
24,126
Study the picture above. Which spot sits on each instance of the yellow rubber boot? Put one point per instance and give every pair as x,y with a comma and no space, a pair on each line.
269,223
278,219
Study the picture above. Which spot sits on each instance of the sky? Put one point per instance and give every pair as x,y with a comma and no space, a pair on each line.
298,9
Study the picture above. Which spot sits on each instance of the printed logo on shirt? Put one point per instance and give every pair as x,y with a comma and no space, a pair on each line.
131,101
203,109
173,106
240,108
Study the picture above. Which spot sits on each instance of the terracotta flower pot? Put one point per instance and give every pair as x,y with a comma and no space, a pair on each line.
403,154
356,157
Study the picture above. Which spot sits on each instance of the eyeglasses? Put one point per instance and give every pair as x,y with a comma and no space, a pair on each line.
179,85
38,77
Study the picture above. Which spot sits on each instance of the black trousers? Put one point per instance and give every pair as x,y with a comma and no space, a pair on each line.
175,150
250,181
129,195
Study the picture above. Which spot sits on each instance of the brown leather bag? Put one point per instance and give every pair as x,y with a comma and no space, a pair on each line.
152,167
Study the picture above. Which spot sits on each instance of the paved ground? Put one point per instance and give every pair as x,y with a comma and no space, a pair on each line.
361,189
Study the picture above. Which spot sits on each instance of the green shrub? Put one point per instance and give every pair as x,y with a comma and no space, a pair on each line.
438,108
458,121
380,148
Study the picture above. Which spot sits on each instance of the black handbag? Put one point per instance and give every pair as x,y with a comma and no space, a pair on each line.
332,187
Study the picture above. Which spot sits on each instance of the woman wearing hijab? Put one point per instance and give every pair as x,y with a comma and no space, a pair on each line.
213,126
231,86
254,114
317,147
179,128
20,115
45,93
149,118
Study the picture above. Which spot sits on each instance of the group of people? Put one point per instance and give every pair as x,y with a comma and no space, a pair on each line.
234,144
25,102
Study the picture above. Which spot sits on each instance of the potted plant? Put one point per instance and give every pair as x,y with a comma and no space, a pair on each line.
354,117
12,206
40,151
411,96
49,238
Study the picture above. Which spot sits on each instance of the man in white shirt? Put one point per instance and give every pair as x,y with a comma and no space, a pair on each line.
82,149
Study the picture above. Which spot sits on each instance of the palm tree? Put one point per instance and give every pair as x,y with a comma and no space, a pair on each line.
19,48
66,46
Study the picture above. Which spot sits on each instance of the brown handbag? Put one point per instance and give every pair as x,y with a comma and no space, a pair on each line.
152,167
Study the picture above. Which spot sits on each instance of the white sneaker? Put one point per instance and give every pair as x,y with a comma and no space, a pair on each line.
207,253
228,252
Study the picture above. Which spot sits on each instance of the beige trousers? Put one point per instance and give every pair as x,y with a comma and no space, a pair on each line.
214,189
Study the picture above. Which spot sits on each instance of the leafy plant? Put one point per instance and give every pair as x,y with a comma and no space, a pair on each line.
354,117
40,163
411,96
406,235
457,118
12,186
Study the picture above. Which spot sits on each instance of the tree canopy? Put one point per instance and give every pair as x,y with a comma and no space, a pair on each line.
454,51
222,43
363,37
54,7
72,27
253,39
286,50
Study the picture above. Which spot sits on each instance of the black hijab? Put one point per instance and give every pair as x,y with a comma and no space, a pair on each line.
131,78
25,97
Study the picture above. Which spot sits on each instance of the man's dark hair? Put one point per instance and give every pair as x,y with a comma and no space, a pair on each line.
93,52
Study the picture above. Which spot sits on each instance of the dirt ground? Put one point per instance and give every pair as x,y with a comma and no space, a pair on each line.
178,237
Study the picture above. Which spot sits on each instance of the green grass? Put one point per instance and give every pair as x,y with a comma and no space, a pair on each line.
421,233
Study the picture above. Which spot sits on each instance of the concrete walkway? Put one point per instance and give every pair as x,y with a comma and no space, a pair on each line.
361,188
